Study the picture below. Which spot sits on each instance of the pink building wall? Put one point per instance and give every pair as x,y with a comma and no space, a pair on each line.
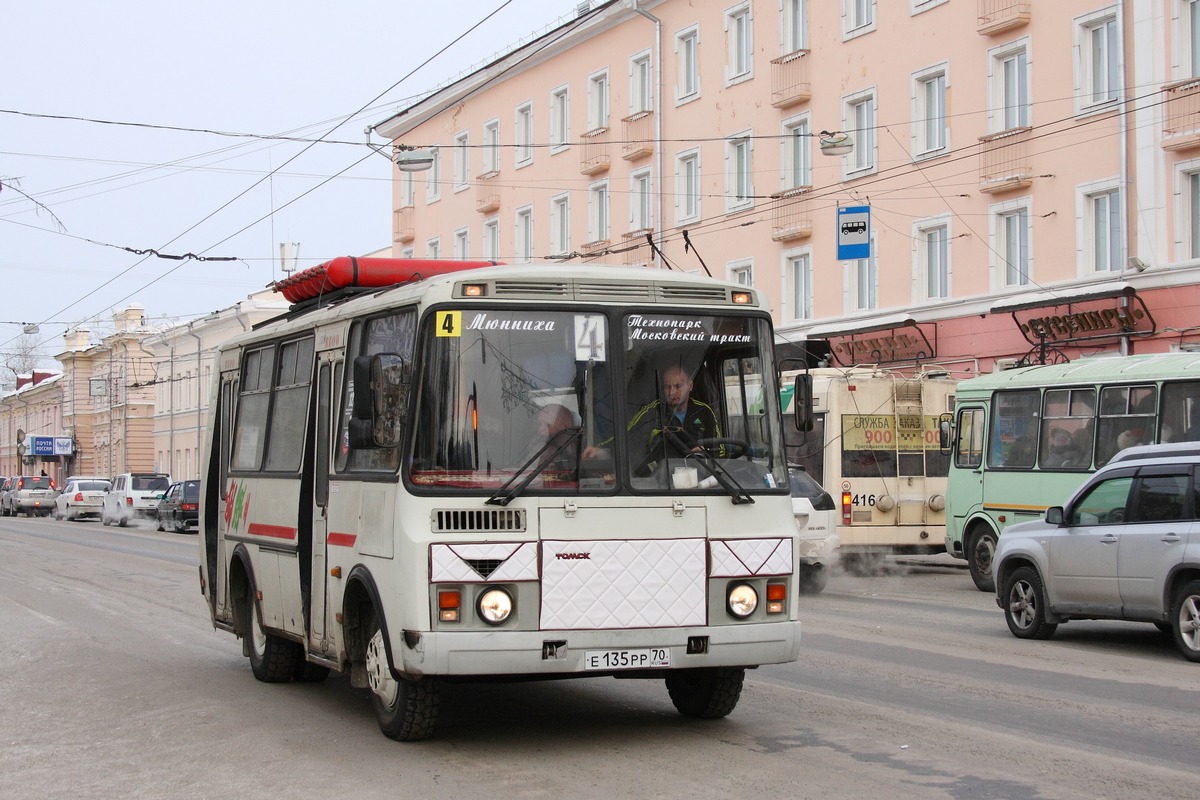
1075,152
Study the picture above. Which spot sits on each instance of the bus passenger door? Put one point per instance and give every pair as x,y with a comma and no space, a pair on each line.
320,523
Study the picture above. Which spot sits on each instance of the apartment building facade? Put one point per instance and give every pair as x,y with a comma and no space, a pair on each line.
1021,180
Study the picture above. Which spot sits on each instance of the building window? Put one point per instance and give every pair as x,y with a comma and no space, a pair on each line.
687,65
919,6
598,101
739,172
858,17
462,161
598,212
799,280
929,112
408,252
491,146
863,277
559,119
1103,230
740,44
1011,243
641,198
433,247
408,189
1098,68
793,25
859,117
560,225
491,239
433,177
524,135
741,272
1193,36
1009,86
462,244
687,187
1193,207
932,243
641,84
523,234
797,153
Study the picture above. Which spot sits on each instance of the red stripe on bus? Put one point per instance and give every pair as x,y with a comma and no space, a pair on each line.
271,531
341,539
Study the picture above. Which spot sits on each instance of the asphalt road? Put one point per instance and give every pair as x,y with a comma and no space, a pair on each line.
113,684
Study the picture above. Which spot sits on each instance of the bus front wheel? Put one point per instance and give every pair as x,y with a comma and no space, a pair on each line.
707,692
405,709
981,548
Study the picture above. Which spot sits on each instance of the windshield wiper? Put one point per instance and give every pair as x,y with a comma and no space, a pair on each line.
734,489
504,495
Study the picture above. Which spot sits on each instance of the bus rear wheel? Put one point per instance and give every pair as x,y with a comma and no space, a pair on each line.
272,659
981,548
706,693
405,709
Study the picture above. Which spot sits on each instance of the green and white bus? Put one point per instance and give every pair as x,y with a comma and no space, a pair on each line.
1024,439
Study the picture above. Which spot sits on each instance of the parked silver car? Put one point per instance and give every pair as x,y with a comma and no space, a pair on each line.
80,498
1125,546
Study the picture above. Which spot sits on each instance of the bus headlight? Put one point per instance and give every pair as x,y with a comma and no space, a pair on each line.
495,606
742,600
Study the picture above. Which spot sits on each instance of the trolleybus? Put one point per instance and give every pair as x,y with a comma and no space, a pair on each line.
1024,439
874,446
426,472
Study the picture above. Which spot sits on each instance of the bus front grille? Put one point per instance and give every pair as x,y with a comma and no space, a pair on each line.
459,520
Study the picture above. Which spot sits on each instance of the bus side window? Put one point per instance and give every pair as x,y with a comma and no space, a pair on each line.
1180,412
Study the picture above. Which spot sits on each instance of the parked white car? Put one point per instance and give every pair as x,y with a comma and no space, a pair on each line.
816,518
134,495
80,498
1124,546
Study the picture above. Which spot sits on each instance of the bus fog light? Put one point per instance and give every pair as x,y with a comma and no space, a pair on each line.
495,606
743,600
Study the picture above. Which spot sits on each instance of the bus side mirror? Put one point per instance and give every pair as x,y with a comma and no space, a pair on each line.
945,431
381,384
802,402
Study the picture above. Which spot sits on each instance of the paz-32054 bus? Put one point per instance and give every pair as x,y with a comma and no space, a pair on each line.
466,472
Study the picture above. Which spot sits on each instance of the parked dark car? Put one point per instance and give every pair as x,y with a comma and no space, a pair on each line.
179,510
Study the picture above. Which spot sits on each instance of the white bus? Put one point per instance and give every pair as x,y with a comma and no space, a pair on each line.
874,446
435,478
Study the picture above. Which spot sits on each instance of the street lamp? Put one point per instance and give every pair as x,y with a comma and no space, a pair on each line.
836,143
410,159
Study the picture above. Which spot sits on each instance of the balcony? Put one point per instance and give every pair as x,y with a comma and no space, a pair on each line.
790,85
594,248
1181,115
487,197
1004,160
638,135
403,220
998,16
595,158
791,218
635,249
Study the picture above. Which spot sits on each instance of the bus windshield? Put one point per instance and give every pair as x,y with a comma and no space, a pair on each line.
546,400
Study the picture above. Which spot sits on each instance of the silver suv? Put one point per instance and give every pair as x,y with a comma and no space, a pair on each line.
1126,545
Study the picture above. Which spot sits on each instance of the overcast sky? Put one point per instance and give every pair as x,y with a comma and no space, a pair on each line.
78,196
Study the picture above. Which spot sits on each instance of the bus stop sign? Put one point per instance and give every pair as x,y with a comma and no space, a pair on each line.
853,233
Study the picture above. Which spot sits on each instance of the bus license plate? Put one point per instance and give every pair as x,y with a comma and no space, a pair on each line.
627,659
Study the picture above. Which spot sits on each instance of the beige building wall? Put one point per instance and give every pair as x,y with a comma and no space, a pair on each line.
33,409
1006,149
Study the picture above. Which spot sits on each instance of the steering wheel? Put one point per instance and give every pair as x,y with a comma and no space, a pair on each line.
734,448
